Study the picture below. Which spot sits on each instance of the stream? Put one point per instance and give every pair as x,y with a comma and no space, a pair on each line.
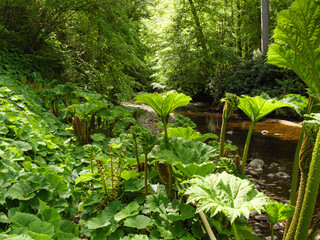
274,141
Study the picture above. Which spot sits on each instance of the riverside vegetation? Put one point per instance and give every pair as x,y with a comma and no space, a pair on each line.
76,165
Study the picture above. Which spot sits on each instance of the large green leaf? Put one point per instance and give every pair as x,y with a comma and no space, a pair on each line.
298,102
164,105
278,211
41,227
20,191
139,222
105,218
191,157
131,210
260,106
186,133
225,193
157,203
297,42
23,219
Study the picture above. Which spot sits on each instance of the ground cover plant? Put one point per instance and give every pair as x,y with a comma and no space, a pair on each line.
76,164
68,176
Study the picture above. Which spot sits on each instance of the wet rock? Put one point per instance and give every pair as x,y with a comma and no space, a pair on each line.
261,217
273,165
260,225
256,163
254,173
253,212
282,175
229,141
271,175
271,185
269,238
230,132
276,227
259,169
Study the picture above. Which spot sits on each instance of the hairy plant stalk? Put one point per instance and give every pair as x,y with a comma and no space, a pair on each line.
85,137
101,171
294,220
246,149
311,193
305,156
295,173
77,128
314,230
272,232
294,182
146,174
222,136
235,232
230,104
207,226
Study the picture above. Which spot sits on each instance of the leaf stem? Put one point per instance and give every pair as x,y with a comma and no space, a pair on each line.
311,193
146,174
222,136
207,226
246,148
294,182
235,232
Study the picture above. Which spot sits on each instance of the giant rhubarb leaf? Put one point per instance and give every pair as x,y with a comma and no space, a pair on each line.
225,193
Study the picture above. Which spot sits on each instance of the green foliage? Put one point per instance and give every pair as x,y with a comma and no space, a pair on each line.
186,133
254,77
48,181
190,157
183,122
227,194
260,106
298,102
278,212
164,105
70,41
224,164
297,42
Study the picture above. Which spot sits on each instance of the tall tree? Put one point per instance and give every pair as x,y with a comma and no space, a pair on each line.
265,26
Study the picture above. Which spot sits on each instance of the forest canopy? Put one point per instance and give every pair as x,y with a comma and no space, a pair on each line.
201,48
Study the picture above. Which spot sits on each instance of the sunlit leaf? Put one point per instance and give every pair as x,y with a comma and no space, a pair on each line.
225,193
297,37
258,107
164,105
278,212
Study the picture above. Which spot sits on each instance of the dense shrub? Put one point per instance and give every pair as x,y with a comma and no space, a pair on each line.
253,77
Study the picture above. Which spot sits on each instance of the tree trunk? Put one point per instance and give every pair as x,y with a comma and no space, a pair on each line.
265,31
